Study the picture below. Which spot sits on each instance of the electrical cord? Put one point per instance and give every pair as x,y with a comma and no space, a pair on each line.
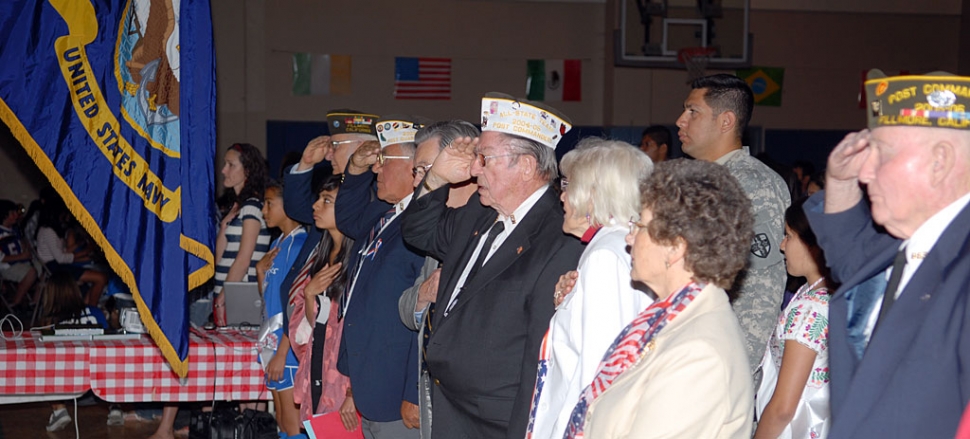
77,432
14,323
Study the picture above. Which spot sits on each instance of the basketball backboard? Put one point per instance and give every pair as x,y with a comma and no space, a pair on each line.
653,31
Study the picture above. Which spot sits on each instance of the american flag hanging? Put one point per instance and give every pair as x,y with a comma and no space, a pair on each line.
422,78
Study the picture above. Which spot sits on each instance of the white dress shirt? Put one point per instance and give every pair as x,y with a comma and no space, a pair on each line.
511,222
917,247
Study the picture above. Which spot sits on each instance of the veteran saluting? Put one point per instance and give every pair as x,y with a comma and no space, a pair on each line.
898,340
500,261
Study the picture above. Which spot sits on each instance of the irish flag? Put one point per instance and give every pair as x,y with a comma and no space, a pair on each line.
554,80
315,74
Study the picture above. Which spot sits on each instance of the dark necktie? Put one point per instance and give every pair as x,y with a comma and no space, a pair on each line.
497,228
889,298
368,252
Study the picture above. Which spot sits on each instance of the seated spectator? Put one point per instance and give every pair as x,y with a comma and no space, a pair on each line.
59,249
16,260
63,304
32,217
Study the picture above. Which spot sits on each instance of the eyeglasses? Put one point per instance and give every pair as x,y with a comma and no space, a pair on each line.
563,184
482,158
635,226
341,142
415,171
381,158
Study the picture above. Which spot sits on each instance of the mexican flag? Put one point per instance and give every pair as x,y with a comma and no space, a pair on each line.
554,80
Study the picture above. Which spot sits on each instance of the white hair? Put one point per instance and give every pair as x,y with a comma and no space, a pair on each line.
604,179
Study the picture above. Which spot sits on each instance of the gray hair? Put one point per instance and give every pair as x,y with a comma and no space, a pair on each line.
446,131
604,179
408,148
545,156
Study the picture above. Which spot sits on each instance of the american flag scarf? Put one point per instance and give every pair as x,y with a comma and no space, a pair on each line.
627,350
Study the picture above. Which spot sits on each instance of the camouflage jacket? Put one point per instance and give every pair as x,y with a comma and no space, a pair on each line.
759,289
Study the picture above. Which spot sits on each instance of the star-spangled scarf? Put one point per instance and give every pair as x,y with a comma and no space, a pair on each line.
627,350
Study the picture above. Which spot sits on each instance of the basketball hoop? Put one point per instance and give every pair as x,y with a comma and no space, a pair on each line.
695,59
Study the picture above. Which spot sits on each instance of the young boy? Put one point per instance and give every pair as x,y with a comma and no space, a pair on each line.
277,358
15,256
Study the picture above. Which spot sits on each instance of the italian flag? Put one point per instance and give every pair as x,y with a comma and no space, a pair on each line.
554,80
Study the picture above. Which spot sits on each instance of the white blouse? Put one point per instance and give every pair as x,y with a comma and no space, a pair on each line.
805,321
602,303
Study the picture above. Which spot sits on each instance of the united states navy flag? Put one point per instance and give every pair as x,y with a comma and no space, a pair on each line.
115,102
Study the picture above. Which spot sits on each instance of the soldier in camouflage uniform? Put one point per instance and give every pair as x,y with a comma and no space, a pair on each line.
716,114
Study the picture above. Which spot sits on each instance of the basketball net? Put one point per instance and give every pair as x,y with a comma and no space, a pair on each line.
695,59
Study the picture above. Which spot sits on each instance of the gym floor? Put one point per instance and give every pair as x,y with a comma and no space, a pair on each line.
30,419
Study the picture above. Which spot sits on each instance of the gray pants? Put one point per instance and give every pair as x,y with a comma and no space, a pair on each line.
388,430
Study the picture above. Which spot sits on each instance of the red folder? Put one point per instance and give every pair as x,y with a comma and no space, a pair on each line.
329,426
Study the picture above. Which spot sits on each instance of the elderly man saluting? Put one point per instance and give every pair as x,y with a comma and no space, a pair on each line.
899,344
377,352
501,259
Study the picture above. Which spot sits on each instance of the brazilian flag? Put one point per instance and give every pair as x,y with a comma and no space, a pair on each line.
765,83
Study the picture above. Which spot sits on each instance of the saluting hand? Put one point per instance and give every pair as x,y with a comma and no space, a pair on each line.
318,150
453,164
364,157
847,158
842,172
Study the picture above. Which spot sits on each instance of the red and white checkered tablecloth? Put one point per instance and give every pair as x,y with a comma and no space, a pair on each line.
222,366
30,366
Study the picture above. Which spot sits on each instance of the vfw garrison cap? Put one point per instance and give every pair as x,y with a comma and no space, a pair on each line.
519,117
399,128
351,122
937,99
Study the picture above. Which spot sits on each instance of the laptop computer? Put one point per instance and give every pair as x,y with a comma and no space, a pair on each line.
244,305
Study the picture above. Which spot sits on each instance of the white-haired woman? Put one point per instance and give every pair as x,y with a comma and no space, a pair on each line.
600,195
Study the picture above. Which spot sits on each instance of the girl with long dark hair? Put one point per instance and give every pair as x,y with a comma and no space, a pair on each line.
314,328
793,400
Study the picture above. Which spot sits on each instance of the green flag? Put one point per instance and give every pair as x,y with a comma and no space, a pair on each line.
765,83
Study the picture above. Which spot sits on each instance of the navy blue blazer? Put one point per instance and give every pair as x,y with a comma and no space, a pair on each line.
913,379
377,352
483,355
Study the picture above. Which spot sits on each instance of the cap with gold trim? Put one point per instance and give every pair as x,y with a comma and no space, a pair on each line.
519,117
399,128
936,99
351,122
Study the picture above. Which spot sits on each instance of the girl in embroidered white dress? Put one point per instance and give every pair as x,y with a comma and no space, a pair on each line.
793,400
